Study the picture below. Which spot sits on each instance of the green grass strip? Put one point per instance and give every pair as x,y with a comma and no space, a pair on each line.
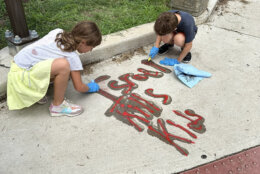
110,15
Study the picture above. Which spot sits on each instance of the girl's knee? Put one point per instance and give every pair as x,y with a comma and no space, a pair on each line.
60,65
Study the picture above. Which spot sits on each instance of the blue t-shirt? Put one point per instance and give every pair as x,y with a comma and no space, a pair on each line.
186,25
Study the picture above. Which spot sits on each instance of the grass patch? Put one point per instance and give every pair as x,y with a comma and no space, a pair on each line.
110,15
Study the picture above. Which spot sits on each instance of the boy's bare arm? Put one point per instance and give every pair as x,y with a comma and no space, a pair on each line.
77,82
158,41
186,49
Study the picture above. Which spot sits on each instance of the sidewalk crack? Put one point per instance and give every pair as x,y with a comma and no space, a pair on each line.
2,65
233,31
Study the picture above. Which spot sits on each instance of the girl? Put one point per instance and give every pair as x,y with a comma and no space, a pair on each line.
52,57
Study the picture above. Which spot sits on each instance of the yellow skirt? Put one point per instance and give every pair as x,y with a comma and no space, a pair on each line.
26,87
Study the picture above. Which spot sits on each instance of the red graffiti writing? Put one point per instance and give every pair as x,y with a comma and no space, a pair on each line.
162,133
102,78
132,109
166,98
156,66
183,128
196,125
128,87
146,74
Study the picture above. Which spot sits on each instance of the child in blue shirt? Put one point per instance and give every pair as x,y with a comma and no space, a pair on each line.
174,27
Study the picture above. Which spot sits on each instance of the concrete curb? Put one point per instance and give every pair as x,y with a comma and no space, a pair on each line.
205,15
5,60
119,42
112,44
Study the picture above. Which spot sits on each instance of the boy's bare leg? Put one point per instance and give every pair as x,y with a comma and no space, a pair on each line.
185,55
60,71
179,39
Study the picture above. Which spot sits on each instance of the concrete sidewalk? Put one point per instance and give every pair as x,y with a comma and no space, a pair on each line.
99,141
112,44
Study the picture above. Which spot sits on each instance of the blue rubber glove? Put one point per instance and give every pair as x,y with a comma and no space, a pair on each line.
153,52
169,61
93,87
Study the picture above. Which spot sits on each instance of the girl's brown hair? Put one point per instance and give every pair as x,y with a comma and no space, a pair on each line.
166,23
85,30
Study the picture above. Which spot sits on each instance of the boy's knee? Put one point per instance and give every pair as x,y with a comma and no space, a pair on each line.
179,39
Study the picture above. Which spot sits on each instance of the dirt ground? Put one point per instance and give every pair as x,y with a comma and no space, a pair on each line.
88,69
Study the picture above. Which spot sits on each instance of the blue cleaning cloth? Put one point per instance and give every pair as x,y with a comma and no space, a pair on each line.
169,61
189,75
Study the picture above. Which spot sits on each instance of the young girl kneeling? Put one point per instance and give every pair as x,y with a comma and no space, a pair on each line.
52,57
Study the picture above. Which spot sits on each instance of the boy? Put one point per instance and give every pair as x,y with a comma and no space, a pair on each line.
174,27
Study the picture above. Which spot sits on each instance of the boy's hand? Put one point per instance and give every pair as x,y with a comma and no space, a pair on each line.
169,61
93,87
153,52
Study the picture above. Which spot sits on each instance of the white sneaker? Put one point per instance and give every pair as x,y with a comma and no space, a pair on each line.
65,109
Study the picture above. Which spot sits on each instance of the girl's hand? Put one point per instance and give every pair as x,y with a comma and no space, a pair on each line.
93,87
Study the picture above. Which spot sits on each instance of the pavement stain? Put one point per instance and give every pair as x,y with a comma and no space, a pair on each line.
223,4
88,69
244,1
128,55
234,13
3,106
203,156
2,99
141,51
221,7
123,57
80,164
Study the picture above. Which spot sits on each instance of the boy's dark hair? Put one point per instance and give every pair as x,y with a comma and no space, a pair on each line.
165,23
85,30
